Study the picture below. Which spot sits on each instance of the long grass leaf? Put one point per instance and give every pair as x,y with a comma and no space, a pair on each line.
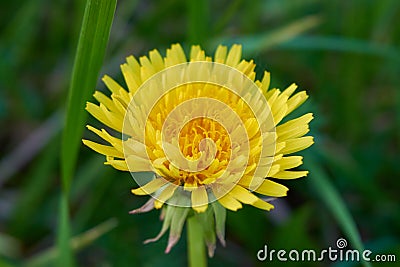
76,243
340,44
92,44
253,44
332,199
64,232
198,19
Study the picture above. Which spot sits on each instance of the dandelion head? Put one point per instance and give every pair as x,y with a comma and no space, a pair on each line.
210,134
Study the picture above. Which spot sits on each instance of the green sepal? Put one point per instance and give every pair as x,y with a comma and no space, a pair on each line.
206,220
220,218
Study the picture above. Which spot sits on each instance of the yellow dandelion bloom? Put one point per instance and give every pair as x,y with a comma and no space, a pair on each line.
206,128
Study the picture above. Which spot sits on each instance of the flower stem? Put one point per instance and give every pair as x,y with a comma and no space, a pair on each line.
196,248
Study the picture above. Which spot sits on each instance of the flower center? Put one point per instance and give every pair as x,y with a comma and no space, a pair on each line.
206,143
196,130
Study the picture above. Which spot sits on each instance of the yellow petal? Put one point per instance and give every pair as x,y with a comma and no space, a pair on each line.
290,174
295,101
96,112
294,128
101,98
156,60
116,120
196,54
271,96
134,147
230,203
158,204
279,147
278,106
115,142
138,164
270,188
112,85
117,164
265,82
119,104
103,149
147,69
199,199
150,187
289,162
279,113
290,90
166,194
234,55
297,144
246,67
220,54
251,127
251,181
243,195
129,76
273,170
134,68
261,204
175,55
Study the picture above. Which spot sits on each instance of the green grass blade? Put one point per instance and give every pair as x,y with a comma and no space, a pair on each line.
64,232
76,243
92,44
327,192
341,45
198,21
227,15
253,44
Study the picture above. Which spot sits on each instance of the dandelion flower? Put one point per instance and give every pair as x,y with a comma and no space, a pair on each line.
209,132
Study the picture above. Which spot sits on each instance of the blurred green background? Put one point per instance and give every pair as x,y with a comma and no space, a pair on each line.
346,54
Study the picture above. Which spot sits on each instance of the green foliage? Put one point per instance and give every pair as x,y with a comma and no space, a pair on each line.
344,53
92,44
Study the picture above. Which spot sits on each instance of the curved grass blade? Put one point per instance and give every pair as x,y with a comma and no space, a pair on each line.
198,21
335,203
253,44
76,243
92,44
340,44
89,57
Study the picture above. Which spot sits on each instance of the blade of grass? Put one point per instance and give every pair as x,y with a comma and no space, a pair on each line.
227,15
91,184
332,199
76,243
385,22
198,21
342,45
253,44
89,57
92,44
64,232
